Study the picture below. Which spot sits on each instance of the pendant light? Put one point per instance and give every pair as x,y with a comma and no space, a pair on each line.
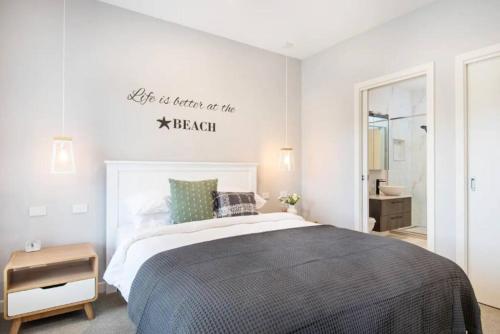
286,152
63,161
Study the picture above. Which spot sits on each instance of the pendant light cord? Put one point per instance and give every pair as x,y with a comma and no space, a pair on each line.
63,69
286,101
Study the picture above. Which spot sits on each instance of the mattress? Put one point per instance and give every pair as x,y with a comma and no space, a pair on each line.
136,246
277,273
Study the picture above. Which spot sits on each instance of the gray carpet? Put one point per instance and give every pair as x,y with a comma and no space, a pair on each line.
111,317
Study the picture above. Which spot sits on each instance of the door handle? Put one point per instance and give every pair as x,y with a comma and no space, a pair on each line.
473,184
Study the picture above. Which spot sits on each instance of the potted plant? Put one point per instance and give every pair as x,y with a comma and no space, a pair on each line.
290,201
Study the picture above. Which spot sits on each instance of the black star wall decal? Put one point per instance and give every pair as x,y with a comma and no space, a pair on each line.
164,123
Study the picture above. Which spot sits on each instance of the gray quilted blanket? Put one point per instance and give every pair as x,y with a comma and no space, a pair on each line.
303,280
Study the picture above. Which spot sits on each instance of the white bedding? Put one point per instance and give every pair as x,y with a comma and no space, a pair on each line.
137,246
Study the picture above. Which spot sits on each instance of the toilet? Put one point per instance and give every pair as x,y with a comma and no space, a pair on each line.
371,224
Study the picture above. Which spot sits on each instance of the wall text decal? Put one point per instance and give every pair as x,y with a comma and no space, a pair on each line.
143,97
186,124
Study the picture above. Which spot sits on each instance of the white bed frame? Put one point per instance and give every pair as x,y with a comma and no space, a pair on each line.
127,178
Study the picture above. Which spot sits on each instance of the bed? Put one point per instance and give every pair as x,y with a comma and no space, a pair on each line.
272,273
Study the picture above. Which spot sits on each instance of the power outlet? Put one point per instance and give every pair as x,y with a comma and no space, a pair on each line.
266,196
79,209
37,211
283,193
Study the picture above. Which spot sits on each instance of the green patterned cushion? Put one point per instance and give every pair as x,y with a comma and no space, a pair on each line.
191,200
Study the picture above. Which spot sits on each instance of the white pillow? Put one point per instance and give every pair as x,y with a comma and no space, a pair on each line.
259,201
151,220
148,203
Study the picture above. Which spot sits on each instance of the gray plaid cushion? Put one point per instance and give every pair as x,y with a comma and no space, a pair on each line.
230,204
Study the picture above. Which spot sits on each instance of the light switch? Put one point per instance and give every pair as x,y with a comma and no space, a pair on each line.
80,208
37,211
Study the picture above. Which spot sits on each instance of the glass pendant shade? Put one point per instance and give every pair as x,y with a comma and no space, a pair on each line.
63,161
286,159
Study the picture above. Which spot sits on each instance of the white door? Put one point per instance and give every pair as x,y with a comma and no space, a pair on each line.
483,105
365,193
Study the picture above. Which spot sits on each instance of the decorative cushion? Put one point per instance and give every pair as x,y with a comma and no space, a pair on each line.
191,200
230,204
259,200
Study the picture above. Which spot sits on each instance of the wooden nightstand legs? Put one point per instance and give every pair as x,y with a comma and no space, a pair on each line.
89,311
17,322
14,327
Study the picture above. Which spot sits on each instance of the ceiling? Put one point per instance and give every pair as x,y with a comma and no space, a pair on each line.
309,25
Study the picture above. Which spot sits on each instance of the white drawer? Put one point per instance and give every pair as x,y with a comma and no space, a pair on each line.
42,298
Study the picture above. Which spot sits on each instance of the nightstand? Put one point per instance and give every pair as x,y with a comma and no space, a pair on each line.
49,282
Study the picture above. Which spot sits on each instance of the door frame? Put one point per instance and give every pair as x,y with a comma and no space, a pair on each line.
462,154
361,145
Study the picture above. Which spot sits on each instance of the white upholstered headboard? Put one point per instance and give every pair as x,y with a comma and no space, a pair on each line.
126,178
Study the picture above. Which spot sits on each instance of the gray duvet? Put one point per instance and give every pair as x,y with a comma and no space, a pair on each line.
303,280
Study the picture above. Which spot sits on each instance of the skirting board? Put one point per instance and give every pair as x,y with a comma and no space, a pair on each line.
101,288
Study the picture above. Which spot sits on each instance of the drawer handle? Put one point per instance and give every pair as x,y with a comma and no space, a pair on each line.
54,286
396,217
396,202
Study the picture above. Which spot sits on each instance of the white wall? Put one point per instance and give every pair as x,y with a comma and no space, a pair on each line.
434,33
111,51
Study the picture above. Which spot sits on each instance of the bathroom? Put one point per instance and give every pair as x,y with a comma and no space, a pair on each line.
397,163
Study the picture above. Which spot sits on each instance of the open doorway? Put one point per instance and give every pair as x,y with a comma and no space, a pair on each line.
395,156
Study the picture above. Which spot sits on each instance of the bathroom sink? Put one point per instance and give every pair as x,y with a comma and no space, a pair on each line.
392,190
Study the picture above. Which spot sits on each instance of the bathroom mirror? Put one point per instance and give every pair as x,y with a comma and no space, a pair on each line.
378,142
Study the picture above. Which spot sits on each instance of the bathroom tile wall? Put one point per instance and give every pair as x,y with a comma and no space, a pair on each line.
407,141
407,156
